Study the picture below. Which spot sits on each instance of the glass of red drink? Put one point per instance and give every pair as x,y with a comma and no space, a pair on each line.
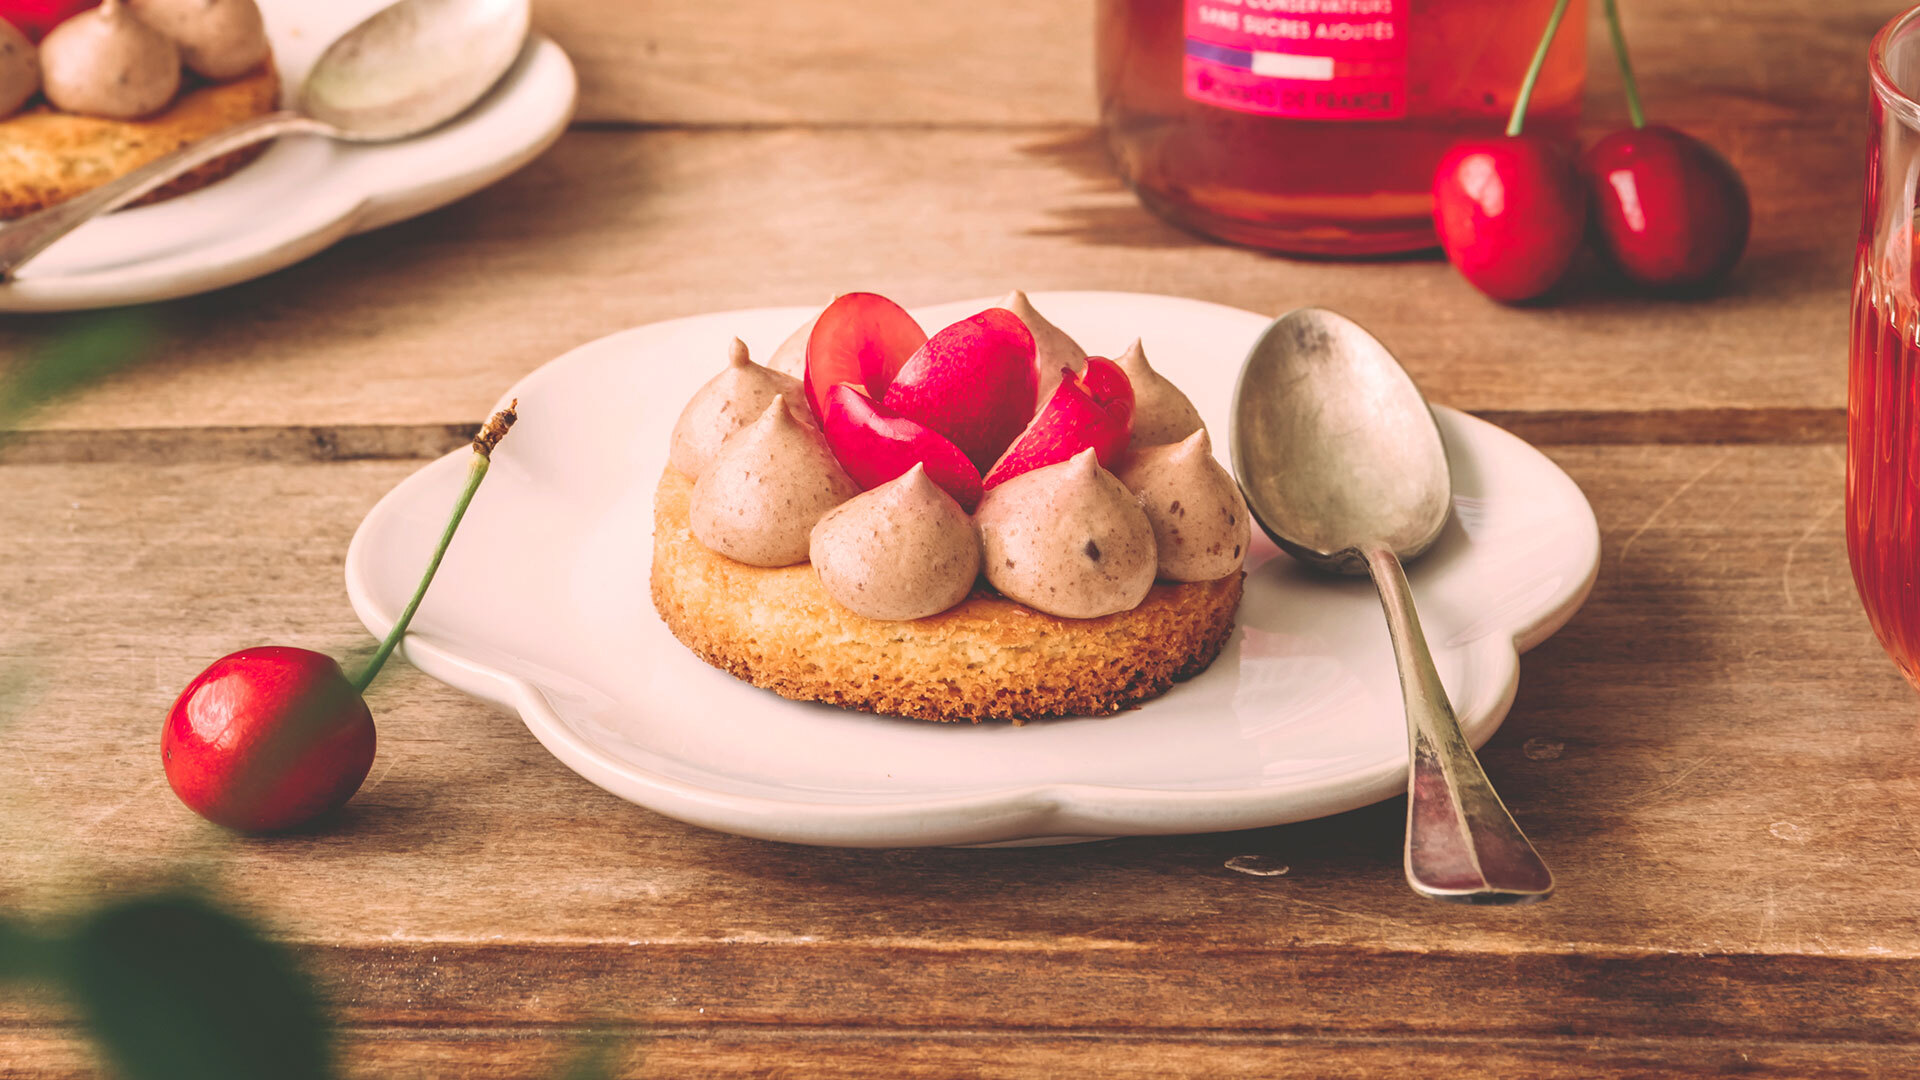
1883,383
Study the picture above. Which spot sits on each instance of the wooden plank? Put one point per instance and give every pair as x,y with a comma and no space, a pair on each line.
869,1054
1004,61
1712,755
363,442
867,61
427,321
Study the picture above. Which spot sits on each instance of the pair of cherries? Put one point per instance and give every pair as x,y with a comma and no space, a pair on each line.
1664,207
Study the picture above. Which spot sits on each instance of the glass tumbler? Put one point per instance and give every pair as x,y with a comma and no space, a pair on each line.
1883,375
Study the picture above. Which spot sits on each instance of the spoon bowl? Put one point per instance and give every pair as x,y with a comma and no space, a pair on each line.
1334,445
1342,464
413,66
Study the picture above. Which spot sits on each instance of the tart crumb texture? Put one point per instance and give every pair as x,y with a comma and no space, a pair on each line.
48,156
987,659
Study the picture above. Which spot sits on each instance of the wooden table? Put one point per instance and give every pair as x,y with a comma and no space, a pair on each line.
1715,755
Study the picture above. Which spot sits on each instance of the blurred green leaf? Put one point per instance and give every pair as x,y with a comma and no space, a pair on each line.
84,349
174,988
597,1061
26,954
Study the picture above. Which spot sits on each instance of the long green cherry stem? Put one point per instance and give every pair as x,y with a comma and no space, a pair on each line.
489,437
1626,66
1519,117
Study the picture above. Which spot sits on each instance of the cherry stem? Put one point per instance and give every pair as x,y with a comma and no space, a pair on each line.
489,437
1519,116
1626,66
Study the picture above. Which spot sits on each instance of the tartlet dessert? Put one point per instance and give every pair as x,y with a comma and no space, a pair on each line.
112,86
907,525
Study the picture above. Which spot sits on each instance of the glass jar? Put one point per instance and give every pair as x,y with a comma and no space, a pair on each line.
1314,126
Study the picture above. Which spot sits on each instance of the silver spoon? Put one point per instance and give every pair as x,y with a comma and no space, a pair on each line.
1342,465
406,70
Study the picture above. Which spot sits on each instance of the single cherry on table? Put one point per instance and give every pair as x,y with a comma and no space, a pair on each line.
267,738
1510,211
271,737
1668,210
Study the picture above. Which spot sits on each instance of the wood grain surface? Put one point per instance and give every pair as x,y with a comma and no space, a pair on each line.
1715,755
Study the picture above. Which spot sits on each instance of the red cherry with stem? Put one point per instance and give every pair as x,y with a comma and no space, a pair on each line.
1090,411
1510,211
271,737
861,338
1669,211
973,382
268,738
35,17
875,444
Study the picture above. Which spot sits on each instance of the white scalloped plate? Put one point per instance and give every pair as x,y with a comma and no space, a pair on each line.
305,193
542,606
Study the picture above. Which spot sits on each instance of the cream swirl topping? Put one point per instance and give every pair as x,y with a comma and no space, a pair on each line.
1068,539
790,358
1200,523
19,68
107,62
904,550
727,403
1052,348
758,501
1161,413
219,39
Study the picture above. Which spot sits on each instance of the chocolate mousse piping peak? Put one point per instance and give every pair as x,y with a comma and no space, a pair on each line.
495,429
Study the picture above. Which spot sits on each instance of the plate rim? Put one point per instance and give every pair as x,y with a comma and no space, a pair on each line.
976,817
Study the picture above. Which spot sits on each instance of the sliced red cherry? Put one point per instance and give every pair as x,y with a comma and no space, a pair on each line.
863,339
876,444
35,17
1107,383
973,382
1092,411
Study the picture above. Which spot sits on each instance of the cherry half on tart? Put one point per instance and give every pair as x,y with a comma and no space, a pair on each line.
1089,411
973,382
862,339
35,17
876,445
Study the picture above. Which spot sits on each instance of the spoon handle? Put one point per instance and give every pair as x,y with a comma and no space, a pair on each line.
1462,845
31,235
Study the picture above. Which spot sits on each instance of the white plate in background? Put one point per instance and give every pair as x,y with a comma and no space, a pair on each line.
304,193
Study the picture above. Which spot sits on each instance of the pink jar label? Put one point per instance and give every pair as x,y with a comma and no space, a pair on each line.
1312,59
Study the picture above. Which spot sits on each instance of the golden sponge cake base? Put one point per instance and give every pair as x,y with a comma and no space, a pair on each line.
986,659
48,156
